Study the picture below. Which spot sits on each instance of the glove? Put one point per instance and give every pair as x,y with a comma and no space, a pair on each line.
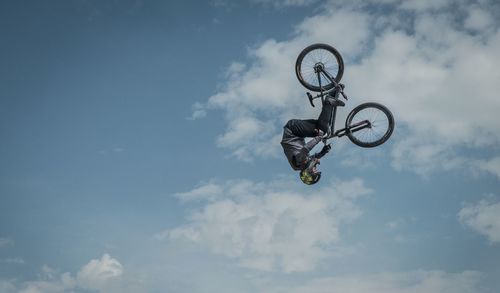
326,148
323,151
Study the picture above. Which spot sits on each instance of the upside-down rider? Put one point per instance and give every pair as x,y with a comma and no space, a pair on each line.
297,150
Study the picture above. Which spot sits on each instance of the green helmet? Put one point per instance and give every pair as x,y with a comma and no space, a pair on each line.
310,175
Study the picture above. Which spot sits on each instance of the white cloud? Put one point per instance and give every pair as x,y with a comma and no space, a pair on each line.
284,3
49,283
199,111
479,19
423,5
15,260
272,226
97,273
393,282
417,57
395,224
5,242
207,191
425,156
7,286
491,166
484,218
279,4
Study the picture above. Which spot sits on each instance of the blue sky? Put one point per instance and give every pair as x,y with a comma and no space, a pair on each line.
139,148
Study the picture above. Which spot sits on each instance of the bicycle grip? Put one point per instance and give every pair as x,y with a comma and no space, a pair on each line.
310,98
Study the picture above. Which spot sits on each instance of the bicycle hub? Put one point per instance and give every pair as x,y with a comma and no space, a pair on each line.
319,67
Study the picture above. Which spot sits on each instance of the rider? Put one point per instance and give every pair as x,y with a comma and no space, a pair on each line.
297,150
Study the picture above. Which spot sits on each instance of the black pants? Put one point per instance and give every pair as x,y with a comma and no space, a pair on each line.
305,128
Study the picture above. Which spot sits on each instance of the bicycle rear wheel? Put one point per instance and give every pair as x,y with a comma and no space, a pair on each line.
319,55
369,125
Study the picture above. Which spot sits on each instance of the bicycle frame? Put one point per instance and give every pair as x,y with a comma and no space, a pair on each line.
337,90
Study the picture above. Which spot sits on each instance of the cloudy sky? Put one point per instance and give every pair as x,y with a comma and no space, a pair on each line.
139,148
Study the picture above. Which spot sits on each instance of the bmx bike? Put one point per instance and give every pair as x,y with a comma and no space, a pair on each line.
319,68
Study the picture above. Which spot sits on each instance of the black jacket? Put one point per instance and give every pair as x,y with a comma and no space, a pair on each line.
296,149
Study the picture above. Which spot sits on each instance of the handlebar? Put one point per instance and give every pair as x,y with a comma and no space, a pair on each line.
338,89
343,95
341,88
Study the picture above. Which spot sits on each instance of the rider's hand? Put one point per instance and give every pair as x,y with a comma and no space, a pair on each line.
326,148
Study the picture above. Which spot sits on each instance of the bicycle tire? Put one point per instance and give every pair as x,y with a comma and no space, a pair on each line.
370,112
312,55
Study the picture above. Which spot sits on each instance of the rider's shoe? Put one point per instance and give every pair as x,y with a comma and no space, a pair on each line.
334,102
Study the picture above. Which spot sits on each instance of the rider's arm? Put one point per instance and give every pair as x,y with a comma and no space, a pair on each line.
304,152
323,151
318,155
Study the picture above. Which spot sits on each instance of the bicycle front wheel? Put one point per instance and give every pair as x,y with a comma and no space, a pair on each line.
369,125
319,56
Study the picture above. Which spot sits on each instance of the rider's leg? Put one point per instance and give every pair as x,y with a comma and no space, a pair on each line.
325,118
303,128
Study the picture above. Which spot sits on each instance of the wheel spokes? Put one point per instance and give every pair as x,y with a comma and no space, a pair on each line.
378,128
318,56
